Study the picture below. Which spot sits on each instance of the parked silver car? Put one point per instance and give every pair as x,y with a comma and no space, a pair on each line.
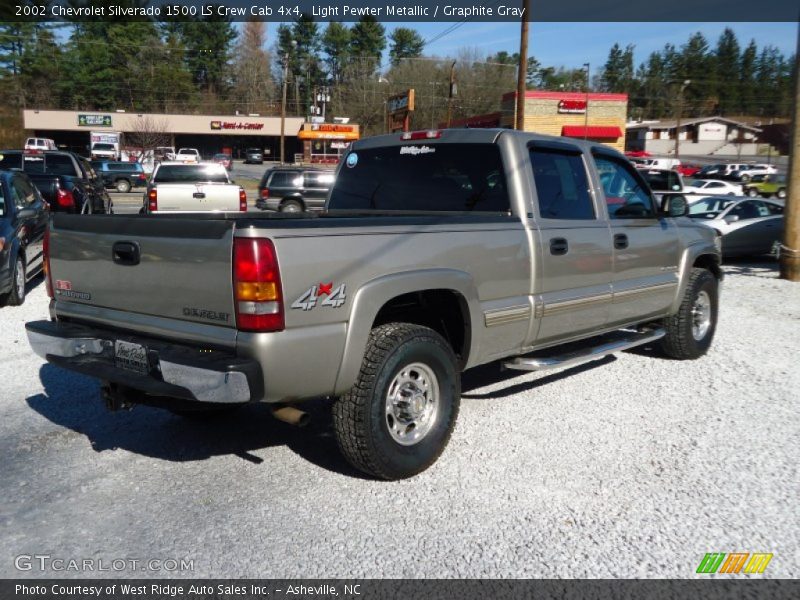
747,227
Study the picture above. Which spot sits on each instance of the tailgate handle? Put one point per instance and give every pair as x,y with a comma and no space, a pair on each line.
199,195
125,253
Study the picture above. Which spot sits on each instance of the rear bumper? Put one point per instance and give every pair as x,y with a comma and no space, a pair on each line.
185,372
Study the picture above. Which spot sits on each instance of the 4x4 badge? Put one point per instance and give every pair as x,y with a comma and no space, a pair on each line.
334,297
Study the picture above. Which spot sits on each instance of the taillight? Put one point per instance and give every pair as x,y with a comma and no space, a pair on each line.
242,200
152,200
265,193
48,281
257,285
64,198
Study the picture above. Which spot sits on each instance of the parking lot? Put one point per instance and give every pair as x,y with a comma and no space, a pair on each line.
633,466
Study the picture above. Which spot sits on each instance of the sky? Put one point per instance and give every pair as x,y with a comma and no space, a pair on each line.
573,44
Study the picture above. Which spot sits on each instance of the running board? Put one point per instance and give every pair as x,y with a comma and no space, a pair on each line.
576,357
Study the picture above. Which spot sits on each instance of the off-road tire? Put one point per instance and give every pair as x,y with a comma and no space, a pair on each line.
360,415
679,341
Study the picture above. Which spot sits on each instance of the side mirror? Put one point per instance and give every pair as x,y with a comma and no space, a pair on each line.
674,205
731,219
26,213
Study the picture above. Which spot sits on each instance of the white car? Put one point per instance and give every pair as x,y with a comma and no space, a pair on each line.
188,155
713,187
746,175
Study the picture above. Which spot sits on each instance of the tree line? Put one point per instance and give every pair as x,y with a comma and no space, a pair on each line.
206,66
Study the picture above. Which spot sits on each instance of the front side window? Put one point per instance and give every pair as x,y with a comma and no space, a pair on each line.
626,197
422,177
562,186
60,164
23,192
749,209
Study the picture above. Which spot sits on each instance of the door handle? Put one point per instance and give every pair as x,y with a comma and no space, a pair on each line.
199,195
559,246
620,241
125,253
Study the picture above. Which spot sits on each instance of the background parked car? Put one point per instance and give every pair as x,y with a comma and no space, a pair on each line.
688,170
712,187
40,144
188,155
23,220
163,153
663,180
253,156
104,151
294,189
748,227
748,174
766,186
224,159
67,182
121,176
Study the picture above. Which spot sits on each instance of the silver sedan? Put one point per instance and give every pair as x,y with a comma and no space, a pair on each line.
748,227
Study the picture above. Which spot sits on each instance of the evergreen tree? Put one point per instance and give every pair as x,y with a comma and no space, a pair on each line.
367,42
336,45
406,43
728,72
748,88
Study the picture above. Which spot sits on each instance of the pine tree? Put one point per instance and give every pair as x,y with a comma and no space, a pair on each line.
336,45
367,42
729,69
748,88
406,43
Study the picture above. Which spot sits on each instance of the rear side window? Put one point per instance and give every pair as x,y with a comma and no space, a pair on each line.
190,174
318,180
422,177
562,186
60,164
286,179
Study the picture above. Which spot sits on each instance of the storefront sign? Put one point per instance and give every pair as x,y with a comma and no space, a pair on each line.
333,128
572,106
401,102
94,120
219,125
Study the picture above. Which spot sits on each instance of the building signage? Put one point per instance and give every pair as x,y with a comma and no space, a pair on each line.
219,125
401,102
94,120
572,107
333,128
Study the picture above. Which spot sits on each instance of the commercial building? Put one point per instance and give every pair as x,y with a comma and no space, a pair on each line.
208,133
594,116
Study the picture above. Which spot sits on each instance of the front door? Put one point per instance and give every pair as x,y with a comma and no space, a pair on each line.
645,243
573,269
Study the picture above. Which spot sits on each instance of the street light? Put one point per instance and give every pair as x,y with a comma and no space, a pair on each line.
285,61
678,118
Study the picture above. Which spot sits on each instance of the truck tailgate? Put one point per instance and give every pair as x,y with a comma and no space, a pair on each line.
172,267
197,197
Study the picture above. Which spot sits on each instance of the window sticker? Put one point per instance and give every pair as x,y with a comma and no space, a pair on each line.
415,150
352,159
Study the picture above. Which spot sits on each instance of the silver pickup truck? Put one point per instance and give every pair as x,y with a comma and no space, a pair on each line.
438,251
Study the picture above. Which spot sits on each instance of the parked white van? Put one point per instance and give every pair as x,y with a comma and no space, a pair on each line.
40,144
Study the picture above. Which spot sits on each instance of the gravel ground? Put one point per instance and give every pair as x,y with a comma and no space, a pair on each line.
631,467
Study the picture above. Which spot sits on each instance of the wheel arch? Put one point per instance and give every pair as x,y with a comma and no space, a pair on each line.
701,255
444,299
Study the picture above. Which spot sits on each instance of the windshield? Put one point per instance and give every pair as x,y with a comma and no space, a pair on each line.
190,174
709,208
103,146
422,177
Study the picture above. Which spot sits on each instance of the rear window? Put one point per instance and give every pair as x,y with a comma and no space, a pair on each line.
190,173
12,161
422,177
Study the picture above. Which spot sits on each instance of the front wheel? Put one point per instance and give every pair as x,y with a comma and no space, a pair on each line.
691,329
752,192
781,193
18,280
397,419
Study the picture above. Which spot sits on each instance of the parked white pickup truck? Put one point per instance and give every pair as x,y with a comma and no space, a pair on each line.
188,155
188,188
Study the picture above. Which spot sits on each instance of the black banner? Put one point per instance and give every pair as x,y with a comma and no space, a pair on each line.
399,589
689,11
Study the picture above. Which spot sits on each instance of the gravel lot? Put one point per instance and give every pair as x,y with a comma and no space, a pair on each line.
631,467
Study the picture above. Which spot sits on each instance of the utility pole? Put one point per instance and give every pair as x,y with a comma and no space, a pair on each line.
452,92
586,108
522,74
283,101
790,251
678,118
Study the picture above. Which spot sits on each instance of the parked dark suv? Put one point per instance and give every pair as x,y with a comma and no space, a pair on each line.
121,176
294,189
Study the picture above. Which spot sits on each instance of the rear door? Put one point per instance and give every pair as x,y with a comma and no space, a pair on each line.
645,244
316,185
759,224
573,277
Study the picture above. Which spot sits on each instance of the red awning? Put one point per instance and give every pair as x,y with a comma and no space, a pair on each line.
593,131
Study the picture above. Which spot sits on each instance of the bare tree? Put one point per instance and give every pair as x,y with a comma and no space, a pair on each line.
147,134
253,88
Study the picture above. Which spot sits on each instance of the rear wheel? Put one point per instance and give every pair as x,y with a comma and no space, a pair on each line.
291,206
781,193
397,419
123,186
18,279
691,329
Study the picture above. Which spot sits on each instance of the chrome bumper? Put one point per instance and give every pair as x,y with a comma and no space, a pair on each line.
204,384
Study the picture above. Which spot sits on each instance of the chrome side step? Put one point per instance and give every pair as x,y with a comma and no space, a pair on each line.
588,354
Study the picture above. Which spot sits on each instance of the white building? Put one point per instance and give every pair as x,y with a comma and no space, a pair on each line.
709,136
